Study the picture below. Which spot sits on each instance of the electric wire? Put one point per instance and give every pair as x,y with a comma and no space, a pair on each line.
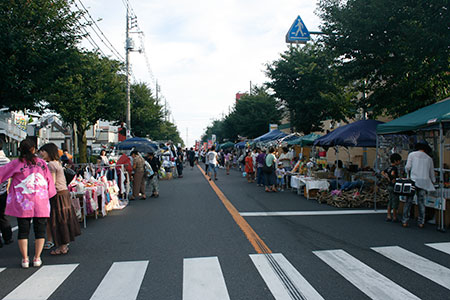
109,45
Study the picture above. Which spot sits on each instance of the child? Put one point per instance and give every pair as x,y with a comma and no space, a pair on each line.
249,167
391,174
280,172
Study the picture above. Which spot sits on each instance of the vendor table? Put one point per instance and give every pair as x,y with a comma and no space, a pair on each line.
308,183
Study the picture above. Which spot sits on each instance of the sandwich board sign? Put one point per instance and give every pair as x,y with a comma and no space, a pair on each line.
298,33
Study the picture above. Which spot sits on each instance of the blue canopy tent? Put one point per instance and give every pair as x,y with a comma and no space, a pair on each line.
361,133
241,145
270,136
140,144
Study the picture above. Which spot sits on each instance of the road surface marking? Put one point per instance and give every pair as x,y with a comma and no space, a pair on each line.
277,284
418,264
366,279
2,269
43,283
122,282
444,247
203,279
257,243
311,213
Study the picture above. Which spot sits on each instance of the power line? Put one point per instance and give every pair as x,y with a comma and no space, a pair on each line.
91,40
108,44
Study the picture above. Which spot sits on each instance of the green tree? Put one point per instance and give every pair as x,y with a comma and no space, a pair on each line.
35,38
146,113
252,114
168,131
396,52
88,88
307,84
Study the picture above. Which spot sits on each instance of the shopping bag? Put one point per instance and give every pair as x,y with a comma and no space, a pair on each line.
404,187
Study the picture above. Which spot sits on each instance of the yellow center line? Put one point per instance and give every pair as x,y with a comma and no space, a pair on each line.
254,239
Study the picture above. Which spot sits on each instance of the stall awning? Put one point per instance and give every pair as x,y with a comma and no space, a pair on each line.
422,118
358,134
305,140
270,136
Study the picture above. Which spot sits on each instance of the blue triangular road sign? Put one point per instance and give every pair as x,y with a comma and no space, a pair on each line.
298,33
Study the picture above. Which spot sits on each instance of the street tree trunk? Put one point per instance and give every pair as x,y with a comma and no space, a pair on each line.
82,144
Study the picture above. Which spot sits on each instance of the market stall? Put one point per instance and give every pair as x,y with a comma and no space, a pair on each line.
432,124
98,189
358,134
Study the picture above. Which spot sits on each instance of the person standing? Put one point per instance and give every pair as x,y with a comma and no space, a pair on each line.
228,160
391,174
154,180
270,162
260,161
63,224
138,176
421,169
179,162
5,227
211,156
31,188
191,157
249,167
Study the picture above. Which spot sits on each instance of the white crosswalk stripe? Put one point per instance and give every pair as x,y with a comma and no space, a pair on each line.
122,282
203,279
366,279
42,284
418,264
444,247
270,266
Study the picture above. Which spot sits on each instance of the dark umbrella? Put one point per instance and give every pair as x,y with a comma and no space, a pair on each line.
140,144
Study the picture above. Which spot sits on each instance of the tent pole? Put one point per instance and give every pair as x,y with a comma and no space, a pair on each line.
441,174
376,178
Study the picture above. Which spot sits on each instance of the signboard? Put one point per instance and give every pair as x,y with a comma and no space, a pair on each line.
213,138
21,121
273,127
298,33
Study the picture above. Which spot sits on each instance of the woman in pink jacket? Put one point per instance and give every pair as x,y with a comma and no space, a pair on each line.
31,188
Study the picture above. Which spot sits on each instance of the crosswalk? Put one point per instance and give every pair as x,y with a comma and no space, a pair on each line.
203,277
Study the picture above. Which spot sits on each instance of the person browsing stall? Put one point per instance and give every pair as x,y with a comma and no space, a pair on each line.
31,188
421,169
391,174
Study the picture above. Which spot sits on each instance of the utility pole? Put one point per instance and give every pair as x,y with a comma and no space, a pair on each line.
187,130
128,48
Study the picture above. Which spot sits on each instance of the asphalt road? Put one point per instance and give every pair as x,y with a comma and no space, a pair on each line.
186,245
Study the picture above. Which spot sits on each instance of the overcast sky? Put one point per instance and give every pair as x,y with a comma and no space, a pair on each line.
202,52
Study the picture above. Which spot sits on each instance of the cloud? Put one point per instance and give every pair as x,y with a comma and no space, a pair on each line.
203,52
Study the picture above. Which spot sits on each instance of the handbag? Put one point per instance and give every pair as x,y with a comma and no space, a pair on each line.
404,187
69,174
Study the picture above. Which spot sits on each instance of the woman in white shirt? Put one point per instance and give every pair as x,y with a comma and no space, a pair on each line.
421,169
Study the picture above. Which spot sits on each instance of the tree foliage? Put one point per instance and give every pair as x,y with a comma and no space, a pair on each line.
88,88
398,48
250,117
35,38
307,83
146,113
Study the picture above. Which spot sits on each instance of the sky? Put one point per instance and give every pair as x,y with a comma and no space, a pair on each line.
201,52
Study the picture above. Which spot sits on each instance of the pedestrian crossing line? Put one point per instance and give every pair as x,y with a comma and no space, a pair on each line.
418,264
122,282
444,247
366,279
2,269
203,279
277,286
43,283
